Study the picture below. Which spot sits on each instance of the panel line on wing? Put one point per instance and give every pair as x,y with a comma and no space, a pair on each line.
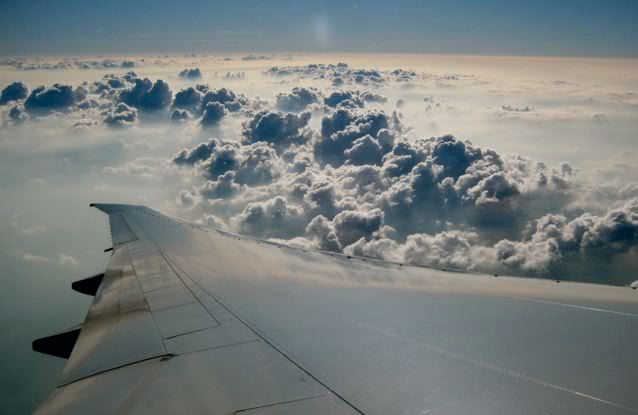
280,403
159,357
262,337
174,309
600,310
221,347
492,367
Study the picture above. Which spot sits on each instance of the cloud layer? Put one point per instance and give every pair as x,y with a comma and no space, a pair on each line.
357,186
333,163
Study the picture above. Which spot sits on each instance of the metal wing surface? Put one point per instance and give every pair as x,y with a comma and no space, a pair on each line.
187,319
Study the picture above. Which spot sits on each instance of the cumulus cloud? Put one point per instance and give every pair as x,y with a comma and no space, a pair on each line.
341,128
365,150
107,87
341,74
346,99
92,102
185,198
223,187
17,115
191,73
197,154
352,99
554,235
56,97
280,129
321,232
147,95
274,218
179,115
297,100
213,114
350,226
189,98
339,71
229,99
119,116
14,92
551,240
252,164
212,221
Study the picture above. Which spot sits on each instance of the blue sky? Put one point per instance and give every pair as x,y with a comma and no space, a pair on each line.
571,28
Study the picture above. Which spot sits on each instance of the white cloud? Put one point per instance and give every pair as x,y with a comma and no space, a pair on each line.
67,260
34,258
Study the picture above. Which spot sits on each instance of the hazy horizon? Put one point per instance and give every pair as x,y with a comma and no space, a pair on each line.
568,28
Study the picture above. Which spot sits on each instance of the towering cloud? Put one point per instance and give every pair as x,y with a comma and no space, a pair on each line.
189,98
297,100
342,128
13,92
146,95
120,116
213,113
275,217
56,97
352,99
431,201
232,101
277,128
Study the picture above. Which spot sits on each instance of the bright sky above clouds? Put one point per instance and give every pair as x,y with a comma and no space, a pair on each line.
504,27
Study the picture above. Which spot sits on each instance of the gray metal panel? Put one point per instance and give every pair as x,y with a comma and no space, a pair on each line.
228,379
169,297
183,319
222,335
151,265
109,343
159,281
107,393
215,381
120,231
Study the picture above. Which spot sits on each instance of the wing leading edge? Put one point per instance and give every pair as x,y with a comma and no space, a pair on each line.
198,320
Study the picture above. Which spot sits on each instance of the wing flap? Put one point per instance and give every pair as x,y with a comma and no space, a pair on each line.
119,328
222,380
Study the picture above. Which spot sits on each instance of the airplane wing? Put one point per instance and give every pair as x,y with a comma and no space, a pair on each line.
190,320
